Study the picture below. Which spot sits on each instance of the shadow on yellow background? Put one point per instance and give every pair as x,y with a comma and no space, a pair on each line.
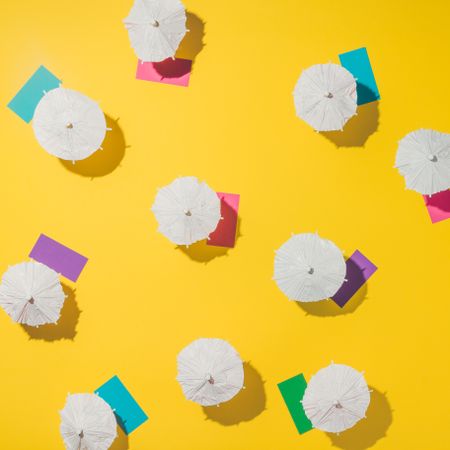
201,252
358,129
246,405
66,328
121,441
369,431
104,161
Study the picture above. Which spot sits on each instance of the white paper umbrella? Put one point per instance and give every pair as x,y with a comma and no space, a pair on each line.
423,158
31,294
187,210
87,423
210,371
325,96
336,398
68,124
156,28
308,268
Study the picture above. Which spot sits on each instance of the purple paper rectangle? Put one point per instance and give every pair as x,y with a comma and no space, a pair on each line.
359,270
58,257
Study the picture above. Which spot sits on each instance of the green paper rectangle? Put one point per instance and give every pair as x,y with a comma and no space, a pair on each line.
292,391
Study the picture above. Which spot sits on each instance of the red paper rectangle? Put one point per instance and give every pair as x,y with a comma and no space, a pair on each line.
225,233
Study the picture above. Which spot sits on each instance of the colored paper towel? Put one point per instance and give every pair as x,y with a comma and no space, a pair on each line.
359,270
292,391
25,101
225,233
128,413
58,257
358,64
438,206
170,71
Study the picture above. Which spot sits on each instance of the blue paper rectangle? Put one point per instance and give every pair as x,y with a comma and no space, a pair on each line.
128,413
358,64
25,101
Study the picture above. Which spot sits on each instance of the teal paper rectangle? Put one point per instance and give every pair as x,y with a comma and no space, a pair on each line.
25,101
358,64
128,413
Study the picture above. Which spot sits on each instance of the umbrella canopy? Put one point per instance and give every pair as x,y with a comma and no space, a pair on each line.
187,210
156,28
423,158
87,423
308,268
325,96
336,398
31,294
210,371
68,124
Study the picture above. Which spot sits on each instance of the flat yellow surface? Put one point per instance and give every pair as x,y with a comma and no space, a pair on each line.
140,300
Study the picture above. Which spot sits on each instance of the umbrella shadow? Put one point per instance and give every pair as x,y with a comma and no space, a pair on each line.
245,406
192,43
360,127
105,161
67,323
203,253
326,308
121,441
367,432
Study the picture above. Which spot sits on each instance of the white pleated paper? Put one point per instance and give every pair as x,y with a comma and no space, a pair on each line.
87,423
308,268
31,293
187,210
210,371
68,124
156,28
423,158
336,398
325,97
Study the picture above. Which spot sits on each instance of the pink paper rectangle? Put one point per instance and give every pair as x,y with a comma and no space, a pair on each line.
438,206
225,233
170,71
58,257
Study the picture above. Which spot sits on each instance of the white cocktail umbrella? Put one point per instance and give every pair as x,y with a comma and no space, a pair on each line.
68,124
156,28
423,158
210,371
325,96
31,293
187,210
308,268
87,423
336,398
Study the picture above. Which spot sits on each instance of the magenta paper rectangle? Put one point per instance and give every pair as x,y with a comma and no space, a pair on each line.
225,233
359,270
438,206
170,71
58,257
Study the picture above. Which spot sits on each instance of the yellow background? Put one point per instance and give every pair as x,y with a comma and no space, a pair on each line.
142,300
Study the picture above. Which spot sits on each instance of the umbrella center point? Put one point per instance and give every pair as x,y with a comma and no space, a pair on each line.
31,301
329,95
432,158
155,23
69,126
210,378
188,213
310,270
81,434
337,405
